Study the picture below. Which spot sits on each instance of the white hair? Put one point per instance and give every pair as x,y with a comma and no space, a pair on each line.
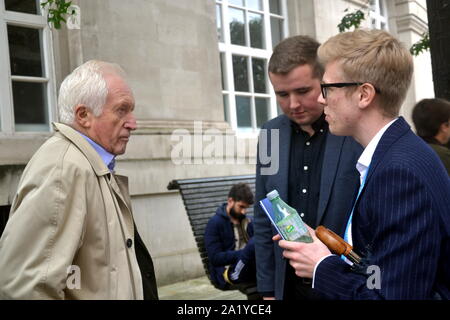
85,85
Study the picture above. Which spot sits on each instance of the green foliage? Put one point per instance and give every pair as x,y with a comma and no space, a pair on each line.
356,18
351,20
57,11
421,45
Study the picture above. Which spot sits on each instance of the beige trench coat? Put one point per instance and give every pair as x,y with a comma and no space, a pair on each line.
70,233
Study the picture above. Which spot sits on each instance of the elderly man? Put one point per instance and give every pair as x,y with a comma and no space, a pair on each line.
71,233
400,221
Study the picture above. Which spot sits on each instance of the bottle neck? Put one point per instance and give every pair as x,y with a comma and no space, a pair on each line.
279,208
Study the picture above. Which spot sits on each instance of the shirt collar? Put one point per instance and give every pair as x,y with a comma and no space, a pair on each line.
319,124
366,157
108,158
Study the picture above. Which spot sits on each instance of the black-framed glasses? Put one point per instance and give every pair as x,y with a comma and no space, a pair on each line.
324,86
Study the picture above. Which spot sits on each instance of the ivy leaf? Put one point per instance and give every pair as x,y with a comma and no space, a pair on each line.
421,45
57,11
350,20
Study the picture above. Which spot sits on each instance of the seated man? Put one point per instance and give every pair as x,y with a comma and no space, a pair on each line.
229,242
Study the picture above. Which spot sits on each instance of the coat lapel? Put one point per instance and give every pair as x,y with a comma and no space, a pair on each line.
119,185
93,157
330,164
392,134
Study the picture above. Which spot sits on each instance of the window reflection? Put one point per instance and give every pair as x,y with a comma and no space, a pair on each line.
24,6
254,4
236,2
262,111
243,112
219,23
237,26
276,26
275,6
25,51
240,73
256,30
29,104
259,75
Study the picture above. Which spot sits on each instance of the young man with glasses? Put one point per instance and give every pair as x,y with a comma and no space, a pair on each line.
400,221
316,173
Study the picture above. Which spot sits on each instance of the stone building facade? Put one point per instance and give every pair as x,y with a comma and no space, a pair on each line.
198,71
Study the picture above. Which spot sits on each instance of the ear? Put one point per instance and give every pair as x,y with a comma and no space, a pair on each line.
83,116
367,94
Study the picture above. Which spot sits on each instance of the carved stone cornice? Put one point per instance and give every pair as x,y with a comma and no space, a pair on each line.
167,127
411,22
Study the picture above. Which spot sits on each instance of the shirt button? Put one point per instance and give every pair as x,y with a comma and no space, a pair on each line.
304,190
305,168
321,130
302,214
129,243
308,143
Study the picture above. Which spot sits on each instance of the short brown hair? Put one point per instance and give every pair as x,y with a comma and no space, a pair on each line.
241,192
376,57
293,52
428,115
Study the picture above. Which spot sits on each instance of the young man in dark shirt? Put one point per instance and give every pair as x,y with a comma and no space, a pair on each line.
315,173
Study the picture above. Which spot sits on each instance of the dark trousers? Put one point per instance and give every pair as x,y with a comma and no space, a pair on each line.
244,270
296,288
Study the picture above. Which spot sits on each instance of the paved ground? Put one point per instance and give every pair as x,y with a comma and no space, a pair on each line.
197,289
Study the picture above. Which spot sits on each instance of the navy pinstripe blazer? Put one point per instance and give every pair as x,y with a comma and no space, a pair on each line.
401,223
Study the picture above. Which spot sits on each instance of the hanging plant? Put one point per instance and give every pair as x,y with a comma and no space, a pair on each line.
57,12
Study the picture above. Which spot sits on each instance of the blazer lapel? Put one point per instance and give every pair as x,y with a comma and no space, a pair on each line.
392,134
284,155
330,164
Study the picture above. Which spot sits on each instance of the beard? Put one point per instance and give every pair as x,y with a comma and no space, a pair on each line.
237,216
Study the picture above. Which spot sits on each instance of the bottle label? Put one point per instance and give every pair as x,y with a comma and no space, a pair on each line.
293,229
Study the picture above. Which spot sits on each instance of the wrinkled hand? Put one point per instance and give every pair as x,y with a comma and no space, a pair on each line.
303,257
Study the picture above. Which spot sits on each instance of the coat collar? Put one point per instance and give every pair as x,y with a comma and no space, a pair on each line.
83,145
392,134
396,130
